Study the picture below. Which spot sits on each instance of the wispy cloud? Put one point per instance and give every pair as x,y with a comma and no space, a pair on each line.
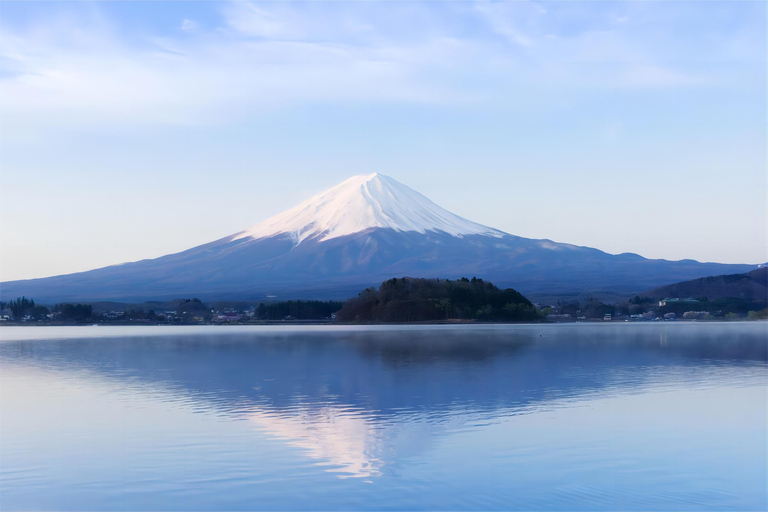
264,55
188,25
516,21
113,104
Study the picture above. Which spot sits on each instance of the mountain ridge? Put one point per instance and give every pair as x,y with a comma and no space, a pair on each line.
308,252
751,285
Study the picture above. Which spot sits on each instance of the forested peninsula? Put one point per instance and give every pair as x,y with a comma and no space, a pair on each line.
428,300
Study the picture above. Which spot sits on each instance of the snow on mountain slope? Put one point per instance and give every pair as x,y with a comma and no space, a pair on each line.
363,202
363,231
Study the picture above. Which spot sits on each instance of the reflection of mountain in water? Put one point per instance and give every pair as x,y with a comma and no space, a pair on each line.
356,399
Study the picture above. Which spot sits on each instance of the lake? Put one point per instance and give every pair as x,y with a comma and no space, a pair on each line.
646,416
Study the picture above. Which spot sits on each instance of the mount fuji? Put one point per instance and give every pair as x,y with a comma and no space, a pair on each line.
357,234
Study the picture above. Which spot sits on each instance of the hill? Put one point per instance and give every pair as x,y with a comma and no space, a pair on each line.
424,300
752,286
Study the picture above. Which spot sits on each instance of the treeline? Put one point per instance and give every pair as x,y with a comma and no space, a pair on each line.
187,306
726,308
22,308
716,307
424,300
298,310
75,312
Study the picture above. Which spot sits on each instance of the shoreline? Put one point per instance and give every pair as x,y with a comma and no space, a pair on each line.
371,324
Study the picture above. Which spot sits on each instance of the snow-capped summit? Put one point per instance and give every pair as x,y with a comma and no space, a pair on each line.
356,235
360,203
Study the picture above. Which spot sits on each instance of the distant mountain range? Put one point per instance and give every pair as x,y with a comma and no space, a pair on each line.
357,234
750,286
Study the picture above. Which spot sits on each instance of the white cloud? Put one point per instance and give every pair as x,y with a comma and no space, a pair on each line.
160,84
215,76
188,25
512,20
311,21
270,55
251,20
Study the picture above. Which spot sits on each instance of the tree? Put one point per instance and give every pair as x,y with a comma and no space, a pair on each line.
192,306
297,309
19,306
76,312
419,300
261,311
38,312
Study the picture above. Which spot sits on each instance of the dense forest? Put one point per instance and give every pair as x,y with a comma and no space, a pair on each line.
297,309
721,308
423,300
23,307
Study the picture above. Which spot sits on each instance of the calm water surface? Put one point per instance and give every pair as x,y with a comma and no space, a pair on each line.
578,417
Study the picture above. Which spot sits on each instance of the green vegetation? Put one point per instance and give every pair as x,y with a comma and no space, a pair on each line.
423,300
26,309
298,310
396,300
20,306
74,312
192,306
716,307
23,307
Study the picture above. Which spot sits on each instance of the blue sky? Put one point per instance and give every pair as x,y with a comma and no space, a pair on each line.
129,130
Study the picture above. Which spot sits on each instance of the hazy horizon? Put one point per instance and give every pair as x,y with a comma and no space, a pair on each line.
135,130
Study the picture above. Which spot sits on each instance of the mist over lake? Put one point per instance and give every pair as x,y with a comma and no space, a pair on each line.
665,416
383,255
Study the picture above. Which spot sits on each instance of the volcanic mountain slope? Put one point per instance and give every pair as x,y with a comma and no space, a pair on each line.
361,232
